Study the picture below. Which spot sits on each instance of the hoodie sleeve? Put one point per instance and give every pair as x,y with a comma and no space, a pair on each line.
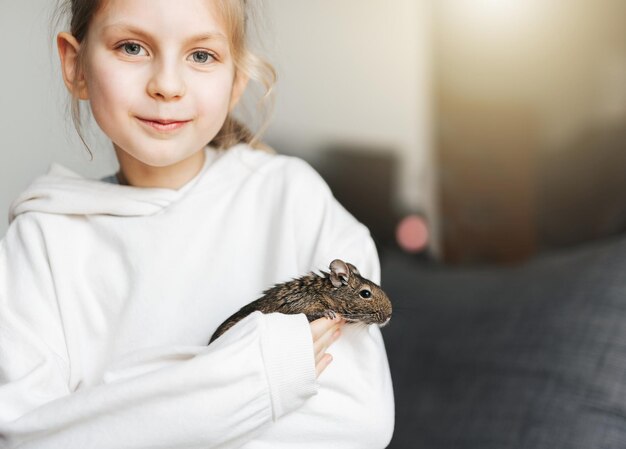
220,395
354,407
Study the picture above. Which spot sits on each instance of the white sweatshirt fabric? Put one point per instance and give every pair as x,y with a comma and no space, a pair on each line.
109,295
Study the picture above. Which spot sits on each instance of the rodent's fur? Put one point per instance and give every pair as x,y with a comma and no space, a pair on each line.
342,292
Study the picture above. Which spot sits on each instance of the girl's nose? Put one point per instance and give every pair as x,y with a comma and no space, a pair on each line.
166,83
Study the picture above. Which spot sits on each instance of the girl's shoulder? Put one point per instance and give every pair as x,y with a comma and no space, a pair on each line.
288,178
276,165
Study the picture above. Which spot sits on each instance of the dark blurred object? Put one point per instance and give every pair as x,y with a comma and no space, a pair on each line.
529,102
363,179
582,195
527,357
487,178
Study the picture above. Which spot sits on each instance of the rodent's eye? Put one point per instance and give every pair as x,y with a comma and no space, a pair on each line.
365,293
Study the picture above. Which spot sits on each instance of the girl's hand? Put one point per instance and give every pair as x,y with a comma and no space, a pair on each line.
325,331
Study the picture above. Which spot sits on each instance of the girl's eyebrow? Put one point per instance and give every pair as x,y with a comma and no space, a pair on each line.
138,31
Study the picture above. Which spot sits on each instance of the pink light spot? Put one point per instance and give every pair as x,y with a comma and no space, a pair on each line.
412,234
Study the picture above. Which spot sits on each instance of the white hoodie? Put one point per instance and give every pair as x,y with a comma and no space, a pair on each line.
110,293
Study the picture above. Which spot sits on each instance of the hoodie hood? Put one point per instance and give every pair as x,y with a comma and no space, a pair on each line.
62,191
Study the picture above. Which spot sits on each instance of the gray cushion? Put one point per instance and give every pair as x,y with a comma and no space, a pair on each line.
525,357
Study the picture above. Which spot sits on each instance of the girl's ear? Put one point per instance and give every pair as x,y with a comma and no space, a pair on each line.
68,52
239,86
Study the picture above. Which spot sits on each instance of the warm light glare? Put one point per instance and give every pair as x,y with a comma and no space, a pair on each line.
492,13
500,9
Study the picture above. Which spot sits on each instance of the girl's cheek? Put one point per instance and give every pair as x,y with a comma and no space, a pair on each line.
212,93
114,84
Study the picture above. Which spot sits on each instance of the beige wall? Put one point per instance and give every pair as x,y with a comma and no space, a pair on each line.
33,122
358,72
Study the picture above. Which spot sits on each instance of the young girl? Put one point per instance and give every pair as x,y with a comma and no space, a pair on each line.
110,289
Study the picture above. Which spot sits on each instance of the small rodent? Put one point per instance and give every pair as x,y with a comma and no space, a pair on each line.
342,292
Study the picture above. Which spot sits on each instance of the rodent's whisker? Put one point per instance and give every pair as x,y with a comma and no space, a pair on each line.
360,324
360,317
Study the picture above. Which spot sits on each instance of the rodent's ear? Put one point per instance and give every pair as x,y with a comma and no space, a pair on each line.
353,269
339,273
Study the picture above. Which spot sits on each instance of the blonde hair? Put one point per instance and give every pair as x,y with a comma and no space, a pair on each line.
235,15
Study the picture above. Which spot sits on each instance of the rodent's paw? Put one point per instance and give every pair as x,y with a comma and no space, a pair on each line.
330,314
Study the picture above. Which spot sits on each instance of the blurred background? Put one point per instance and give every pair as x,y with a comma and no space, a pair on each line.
502,123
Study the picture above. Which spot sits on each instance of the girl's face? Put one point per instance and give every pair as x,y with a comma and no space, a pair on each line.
160,77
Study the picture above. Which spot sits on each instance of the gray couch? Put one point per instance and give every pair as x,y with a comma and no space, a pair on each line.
532,356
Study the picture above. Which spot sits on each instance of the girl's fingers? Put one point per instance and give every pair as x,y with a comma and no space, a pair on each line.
323,343
325,331
320,326
322,364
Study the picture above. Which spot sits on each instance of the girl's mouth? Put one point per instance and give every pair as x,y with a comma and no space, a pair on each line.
163,124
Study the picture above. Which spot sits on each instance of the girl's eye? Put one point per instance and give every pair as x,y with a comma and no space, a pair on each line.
131,48
202,57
